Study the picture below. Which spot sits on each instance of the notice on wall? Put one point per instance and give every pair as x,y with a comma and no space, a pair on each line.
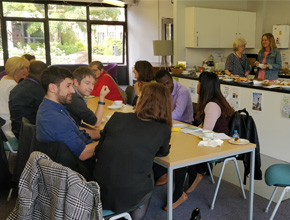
257,101
193,92
285,106
232,95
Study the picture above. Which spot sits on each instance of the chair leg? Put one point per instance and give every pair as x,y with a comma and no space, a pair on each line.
218,185
279,202
271,199
9,195
210,173
240,179
125,215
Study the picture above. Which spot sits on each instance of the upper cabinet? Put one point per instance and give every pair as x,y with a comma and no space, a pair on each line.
214,28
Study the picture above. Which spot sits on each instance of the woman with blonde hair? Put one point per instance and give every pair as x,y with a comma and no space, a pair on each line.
269,58
127,148
237,62
16,68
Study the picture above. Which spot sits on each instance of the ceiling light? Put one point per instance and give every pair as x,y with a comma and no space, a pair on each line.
114,2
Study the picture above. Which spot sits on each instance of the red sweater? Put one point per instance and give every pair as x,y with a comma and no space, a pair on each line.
105,80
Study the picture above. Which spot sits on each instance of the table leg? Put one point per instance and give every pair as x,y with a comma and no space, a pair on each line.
169,193
252,174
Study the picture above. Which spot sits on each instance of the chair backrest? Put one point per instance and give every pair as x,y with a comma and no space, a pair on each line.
130,92
26,144
5,175
59,152
112,69
43,182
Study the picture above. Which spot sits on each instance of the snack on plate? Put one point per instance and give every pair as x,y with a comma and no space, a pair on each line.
241,79
237,140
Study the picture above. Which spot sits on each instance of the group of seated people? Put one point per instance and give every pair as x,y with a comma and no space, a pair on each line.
122,154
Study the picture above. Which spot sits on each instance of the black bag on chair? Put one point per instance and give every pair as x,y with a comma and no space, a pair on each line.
246,127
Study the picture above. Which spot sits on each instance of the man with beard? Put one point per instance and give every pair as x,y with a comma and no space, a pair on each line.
53,121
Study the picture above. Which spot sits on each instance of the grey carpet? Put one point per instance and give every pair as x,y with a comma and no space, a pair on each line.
229,205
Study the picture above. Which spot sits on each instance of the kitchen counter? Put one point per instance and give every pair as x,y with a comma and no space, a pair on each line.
238,84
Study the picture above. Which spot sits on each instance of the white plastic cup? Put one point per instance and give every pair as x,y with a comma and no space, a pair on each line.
118,102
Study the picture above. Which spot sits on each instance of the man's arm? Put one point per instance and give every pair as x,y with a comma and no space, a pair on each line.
88,152
100,109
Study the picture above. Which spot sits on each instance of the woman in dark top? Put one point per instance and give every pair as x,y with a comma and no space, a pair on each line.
127,148
144,73
214,113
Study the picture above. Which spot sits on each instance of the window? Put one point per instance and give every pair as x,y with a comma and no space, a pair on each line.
63,32
105,46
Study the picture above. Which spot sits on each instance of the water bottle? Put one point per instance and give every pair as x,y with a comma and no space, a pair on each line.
195,214
236,135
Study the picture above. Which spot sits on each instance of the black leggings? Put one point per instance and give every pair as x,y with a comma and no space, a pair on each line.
179,177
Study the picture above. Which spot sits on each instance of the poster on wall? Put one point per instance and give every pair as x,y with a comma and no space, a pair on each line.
193,93
257,101
285,104
232,95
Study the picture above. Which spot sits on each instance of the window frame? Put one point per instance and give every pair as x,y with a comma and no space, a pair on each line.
46,20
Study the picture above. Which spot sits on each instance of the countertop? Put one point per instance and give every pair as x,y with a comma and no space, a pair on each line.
238,84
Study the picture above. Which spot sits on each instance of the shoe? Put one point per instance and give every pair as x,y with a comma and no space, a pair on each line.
195,183
182,198
162,180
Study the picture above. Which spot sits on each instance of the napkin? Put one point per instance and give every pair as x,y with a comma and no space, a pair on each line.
206,142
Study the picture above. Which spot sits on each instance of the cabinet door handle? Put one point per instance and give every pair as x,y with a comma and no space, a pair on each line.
197,39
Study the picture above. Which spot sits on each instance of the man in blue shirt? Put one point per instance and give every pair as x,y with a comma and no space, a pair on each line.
181,100
53,121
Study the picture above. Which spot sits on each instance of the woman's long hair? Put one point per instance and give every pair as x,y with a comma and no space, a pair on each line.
155,103
145,70
271,38
210,91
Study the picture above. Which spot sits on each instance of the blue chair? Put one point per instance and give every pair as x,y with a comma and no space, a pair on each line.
277,175
225,161
10,144
107,213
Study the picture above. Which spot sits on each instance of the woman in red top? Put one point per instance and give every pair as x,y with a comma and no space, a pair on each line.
104,78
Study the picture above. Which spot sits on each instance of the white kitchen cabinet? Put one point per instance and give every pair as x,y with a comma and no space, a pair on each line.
226,26
202,27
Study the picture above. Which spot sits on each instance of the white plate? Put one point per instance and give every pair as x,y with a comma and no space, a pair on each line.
114,107
228,80
272,86
185,73
245,82
285,87
242,141
179,125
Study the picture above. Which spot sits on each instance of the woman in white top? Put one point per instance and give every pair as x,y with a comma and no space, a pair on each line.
16,68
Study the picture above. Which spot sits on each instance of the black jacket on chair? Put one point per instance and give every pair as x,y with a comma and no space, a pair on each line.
246,127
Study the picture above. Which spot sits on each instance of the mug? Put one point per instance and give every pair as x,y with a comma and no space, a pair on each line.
208,134
118,102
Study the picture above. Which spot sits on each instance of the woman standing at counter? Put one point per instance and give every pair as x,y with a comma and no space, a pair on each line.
269,58
237,62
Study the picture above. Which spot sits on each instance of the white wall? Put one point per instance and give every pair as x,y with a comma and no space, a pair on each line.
144,26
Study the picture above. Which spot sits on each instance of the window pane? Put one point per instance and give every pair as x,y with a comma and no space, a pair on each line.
1,49
68,42
25,10
107,43
67,12
107,14
26,37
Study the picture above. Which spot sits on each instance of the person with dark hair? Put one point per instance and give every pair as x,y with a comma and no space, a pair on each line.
125,154
84,80
181,100
53,121
30,58
26,97
105,79
17,69
144,73
269,59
